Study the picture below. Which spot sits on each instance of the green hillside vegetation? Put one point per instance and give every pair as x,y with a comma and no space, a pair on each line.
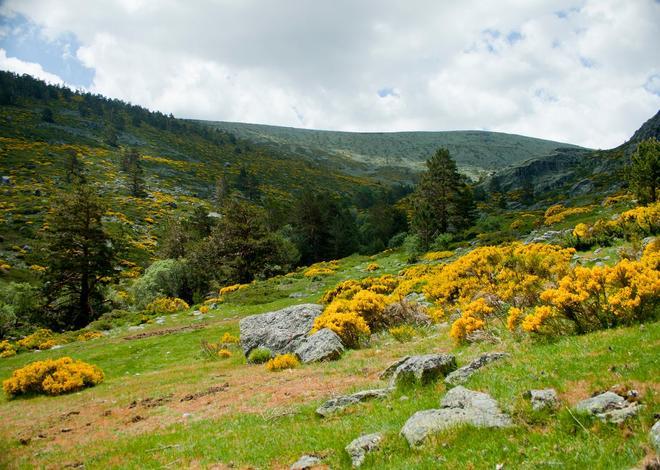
476,152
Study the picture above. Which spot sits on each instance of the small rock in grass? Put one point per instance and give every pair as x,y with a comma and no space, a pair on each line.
305,462
360,447
419,369
609,407
324,345
655,436
460,376
335,405
543,399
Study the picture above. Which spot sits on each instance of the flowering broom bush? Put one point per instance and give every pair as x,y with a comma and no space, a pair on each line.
164,305
52,377
282,361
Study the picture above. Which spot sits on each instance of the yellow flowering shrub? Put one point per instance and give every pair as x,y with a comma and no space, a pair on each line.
347,289
282,361
324,268
645,219
7,349
348,325
558,213
373,267
533,322
52,377
402,333
437,255
224,353
163,305
228,338
581,231
89,335
43,338
37,268
233,288
204,309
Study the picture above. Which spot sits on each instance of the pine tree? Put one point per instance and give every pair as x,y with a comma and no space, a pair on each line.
442,201
75,171
644,172
81,258
221,190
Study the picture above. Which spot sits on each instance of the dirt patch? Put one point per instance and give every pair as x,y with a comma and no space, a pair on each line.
151,402
163,332
206,393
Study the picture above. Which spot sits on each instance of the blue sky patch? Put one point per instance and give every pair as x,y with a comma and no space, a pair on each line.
25,41
387,91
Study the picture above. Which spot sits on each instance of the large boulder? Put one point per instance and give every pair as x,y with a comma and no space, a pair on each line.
360,447
281,332
609,407
335,405
460,376
419,369
324,345
459,406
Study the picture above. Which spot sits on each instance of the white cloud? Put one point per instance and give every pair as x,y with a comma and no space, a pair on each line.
579,71
15,65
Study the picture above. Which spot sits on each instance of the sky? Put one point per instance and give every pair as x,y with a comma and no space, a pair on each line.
585,72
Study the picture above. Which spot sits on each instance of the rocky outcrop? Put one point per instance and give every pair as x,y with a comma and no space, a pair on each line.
419,369
546,399
281,332
460,376
654,434
609,407
360,447
324,345
335,405
459,406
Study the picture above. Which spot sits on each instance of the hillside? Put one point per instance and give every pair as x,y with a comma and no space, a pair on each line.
476,152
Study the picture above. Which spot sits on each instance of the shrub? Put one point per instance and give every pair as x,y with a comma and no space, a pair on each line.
224,353
166,305
282,361
228,338
52,377
373,267
43,338
204,309
89,335
348,325
402,333
164,278
347,289
437,255
557,213
233,288
7,349
259,356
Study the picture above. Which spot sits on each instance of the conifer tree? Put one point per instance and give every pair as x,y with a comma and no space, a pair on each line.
644,173
81,258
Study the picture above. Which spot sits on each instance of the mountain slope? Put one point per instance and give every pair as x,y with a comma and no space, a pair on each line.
476,152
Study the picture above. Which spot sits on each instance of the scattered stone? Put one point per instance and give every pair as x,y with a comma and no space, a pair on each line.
335,405
297,295
305,462
66,430
460,376
419,369
609,407
205,393
324,345
655,437
543,399
360,447
186,415
281,331
459,406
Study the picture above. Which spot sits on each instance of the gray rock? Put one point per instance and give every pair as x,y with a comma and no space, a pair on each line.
335,405
460,376
419,369
609,407
654,434
360,447
460,406
324,345
305,463
281,331
543,399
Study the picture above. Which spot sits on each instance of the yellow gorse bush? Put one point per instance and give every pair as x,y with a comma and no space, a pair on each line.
7,349
557,213
373,267
165,305
52,377
43,338
347,289
282,361
437,255
89,335
348,325
324,268
233,288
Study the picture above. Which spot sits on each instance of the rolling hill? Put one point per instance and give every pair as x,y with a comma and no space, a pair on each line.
476,152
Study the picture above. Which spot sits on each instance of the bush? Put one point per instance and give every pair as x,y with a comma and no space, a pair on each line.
282,361
20,301
228,338
43,338
259,356
7,319
349,326
89,335
166,305
164,278
7,349
373,267
52,377
224,353
402,333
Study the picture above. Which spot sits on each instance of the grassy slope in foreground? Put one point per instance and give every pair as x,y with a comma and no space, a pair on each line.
474,151
267,420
